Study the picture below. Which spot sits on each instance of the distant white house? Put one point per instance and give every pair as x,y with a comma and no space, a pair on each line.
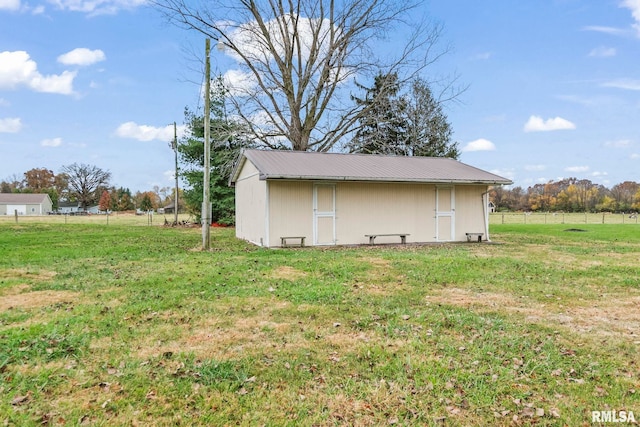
68,207
74,207
25,204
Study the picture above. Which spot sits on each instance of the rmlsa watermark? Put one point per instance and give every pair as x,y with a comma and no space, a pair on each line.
612,417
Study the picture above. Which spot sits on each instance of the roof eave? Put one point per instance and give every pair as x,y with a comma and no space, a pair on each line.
375,179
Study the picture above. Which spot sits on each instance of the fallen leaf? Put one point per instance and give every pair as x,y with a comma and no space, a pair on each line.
527,412
453,410
539,412
19,400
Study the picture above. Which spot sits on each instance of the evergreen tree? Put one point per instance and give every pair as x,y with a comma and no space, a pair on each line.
227,141
383,128
410,124
146,204
428,129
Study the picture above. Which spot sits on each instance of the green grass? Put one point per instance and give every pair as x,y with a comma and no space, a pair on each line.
126,324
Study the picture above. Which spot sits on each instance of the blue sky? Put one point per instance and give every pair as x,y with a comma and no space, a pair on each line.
553,87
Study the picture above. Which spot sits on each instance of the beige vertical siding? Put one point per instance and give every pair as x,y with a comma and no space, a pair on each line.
384,208
290,210
251,206
269,210
469,211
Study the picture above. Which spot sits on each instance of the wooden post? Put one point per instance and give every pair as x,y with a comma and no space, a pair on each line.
175,148
15,213
206,210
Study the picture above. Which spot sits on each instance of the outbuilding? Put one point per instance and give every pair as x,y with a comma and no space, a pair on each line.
25,204
309,198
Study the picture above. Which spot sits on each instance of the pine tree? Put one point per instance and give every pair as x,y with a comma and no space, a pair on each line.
410,124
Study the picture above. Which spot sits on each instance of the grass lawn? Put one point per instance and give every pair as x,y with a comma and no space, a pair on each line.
126,324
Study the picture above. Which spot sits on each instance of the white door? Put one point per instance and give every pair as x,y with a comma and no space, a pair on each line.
324,214
11,209
445,214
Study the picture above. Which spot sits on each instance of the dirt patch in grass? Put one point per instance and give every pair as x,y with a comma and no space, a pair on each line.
31,276
611,316
270,326
230,333
381,280
377,262
36,299
287,273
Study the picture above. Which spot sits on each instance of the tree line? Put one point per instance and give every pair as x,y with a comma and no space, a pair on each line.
86,186
568,195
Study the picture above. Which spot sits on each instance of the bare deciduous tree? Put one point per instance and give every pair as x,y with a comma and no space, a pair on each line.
85,182
297,59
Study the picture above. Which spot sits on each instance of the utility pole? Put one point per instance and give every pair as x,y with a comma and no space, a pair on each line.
206,205
175,149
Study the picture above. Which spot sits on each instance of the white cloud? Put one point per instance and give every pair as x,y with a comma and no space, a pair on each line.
634,6
52,142
483,56
634,156
603,52
479,145
247,38
628,84
82,56
621,143
577,169
170,175
9,4
537,124
98,7
587,102
10,125
238,82
598,174
607,30
505,173
18,69
535,168
133,130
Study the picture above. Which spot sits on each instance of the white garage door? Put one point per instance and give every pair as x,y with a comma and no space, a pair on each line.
11,209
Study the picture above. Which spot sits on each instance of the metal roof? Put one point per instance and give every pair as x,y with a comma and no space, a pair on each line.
28,198
304,165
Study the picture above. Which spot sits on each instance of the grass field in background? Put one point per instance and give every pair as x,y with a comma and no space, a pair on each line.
115,218
562,218
135,325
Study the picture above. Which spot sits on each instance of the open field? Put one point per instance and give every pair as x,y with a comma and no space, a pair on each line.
115,218
562,218
134,325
